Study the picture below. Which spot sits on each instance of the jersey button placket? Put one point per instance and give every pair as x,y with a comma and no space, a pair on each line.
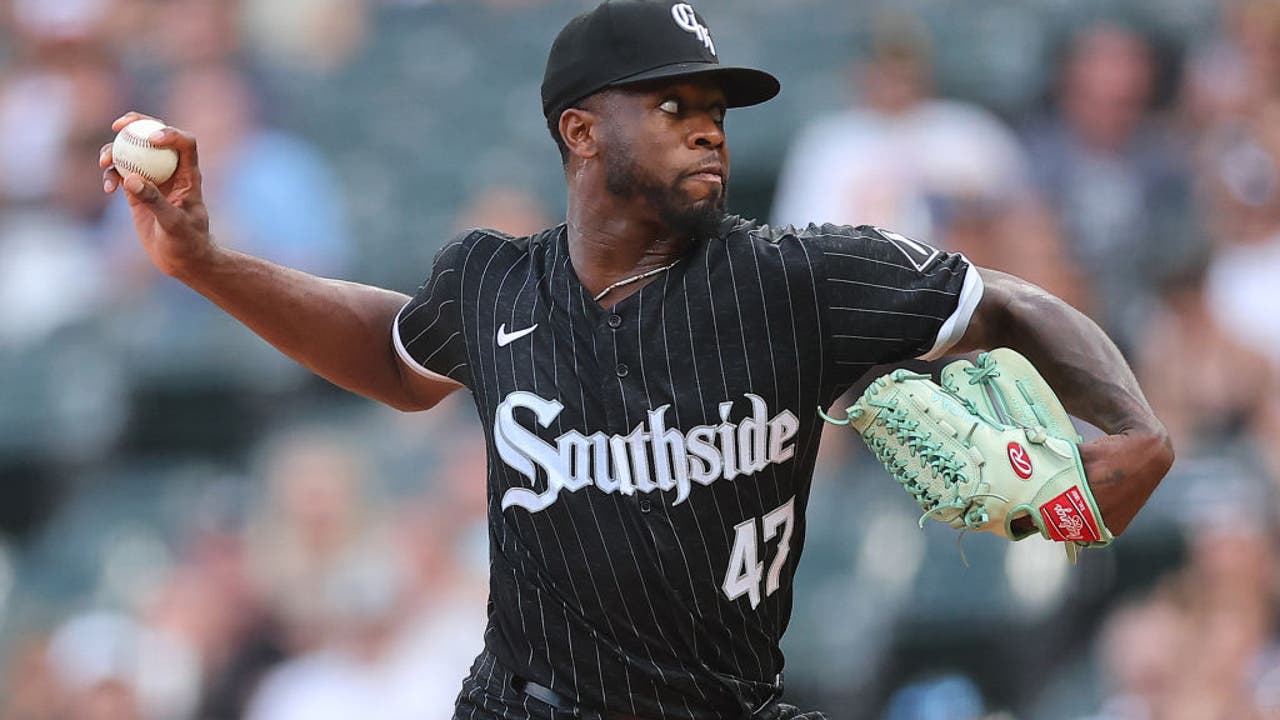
611,348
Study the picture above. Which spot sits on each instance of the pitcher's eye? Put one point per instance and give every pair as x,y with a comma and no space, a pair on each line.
670,106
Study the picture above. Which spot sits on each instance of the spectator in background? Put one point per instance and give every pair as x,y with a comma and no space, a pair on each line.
944,171
1210,390
385,623
346,674
275,196
509,209
307,35
111,667
62,85
1241,171
210,605
177,34
1201,646
53,101
1228,595
62,81
31,689
1116,177
1139,649
317,525
899,157
1232,72
52,262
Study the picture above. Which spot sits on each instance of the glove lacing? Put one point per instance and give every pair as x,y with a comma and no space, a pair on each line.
985,368
907,431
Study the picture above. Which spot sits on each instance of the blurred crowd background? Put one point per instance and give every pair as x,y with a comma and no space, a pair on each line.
192,528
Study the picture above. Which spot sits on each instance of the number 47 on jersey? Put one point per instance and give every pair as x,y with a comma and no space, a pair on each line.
745,568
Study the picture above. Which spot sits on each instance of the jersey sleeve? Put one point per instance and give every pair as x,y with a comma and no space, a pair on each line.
889,298
428,332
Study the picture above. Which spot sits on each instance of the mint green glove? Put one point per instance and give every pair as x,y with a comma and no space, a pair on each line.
988,446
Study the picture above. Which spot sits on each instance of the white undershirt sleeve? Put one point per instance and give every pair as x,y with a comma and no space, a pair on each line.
955,326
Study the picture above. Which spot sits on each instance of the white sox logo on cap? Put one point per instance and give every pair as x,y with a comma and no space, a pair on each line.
688,21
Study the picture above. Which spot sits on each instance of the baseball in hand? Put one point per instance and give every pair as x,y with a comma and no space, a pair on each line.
132,152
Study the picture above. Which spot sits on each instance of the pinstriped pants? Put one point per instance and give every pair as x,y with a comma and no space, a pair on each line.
782,711
487,694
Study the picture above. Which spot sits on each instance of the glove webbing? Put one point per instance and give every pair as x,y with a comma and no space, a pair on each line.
907,431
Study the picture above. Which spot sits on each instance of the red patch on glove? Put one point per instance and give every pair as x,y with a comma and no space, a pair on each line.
1019,460
1069,519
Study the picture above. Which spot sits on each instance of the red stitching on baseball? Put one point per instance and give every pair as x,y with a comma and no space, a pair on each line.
138,140
129,167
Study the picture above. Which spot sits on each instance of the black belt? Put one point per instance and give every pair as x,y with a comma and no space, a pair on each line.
550,697
543,694
546,695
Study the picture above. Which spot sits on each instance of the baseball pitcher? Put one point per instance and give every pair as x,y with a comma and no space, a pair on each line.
650,372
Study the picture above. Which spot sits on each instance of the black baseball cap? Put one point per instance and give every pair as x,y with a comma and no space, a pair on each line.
630,41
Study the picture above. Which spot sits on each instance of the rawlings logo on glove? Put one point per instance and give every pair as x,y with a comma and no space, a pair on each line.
1019,460
1069,517
938,441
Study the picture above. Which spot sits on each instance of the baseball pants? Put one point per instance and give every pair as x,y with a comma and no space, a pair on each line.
488,693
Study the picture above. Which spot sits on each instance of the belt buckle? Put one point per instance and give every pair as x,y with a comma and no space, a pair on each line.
545,695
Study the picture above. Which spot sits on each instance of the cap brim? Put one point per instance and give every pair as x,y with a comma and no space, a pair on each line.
742,86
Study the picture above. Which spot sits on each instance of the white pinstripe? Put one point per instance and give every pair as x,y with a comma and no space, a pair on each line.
644,379
582,406
483,390
715,502
502,468
443,345
863,283
874,337
907,268
675,406
595,353
515,518
814,436
569,573
742,511
818,309
509,476
889,312
439,311
403,353
626,420
777,397
433,283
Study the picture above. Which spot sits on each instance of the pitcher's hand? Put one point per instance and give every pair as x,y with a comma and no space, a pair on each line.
1124,470
171,220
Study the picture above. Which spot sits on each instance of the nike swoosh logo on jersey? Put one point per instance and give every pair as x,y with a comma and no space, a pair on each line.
505,338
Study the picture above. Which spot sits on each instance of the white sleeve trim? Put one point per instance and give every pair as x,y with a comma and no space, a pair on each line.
956,325
408,360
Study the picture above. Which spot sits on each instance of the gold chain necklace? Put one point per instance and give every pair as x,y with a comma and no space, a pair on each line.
634,278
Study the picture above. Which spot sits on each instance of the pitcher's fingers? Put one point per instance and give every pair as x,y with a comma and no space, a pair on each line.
104,157
146,193
110,180
180,140
129,117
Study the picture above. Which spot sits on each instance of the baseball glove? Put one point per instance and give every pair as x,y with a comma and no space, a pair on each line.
989,445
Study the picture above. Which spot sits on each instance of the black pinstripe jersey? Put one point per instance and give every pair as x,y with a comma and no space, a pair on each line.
650,461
